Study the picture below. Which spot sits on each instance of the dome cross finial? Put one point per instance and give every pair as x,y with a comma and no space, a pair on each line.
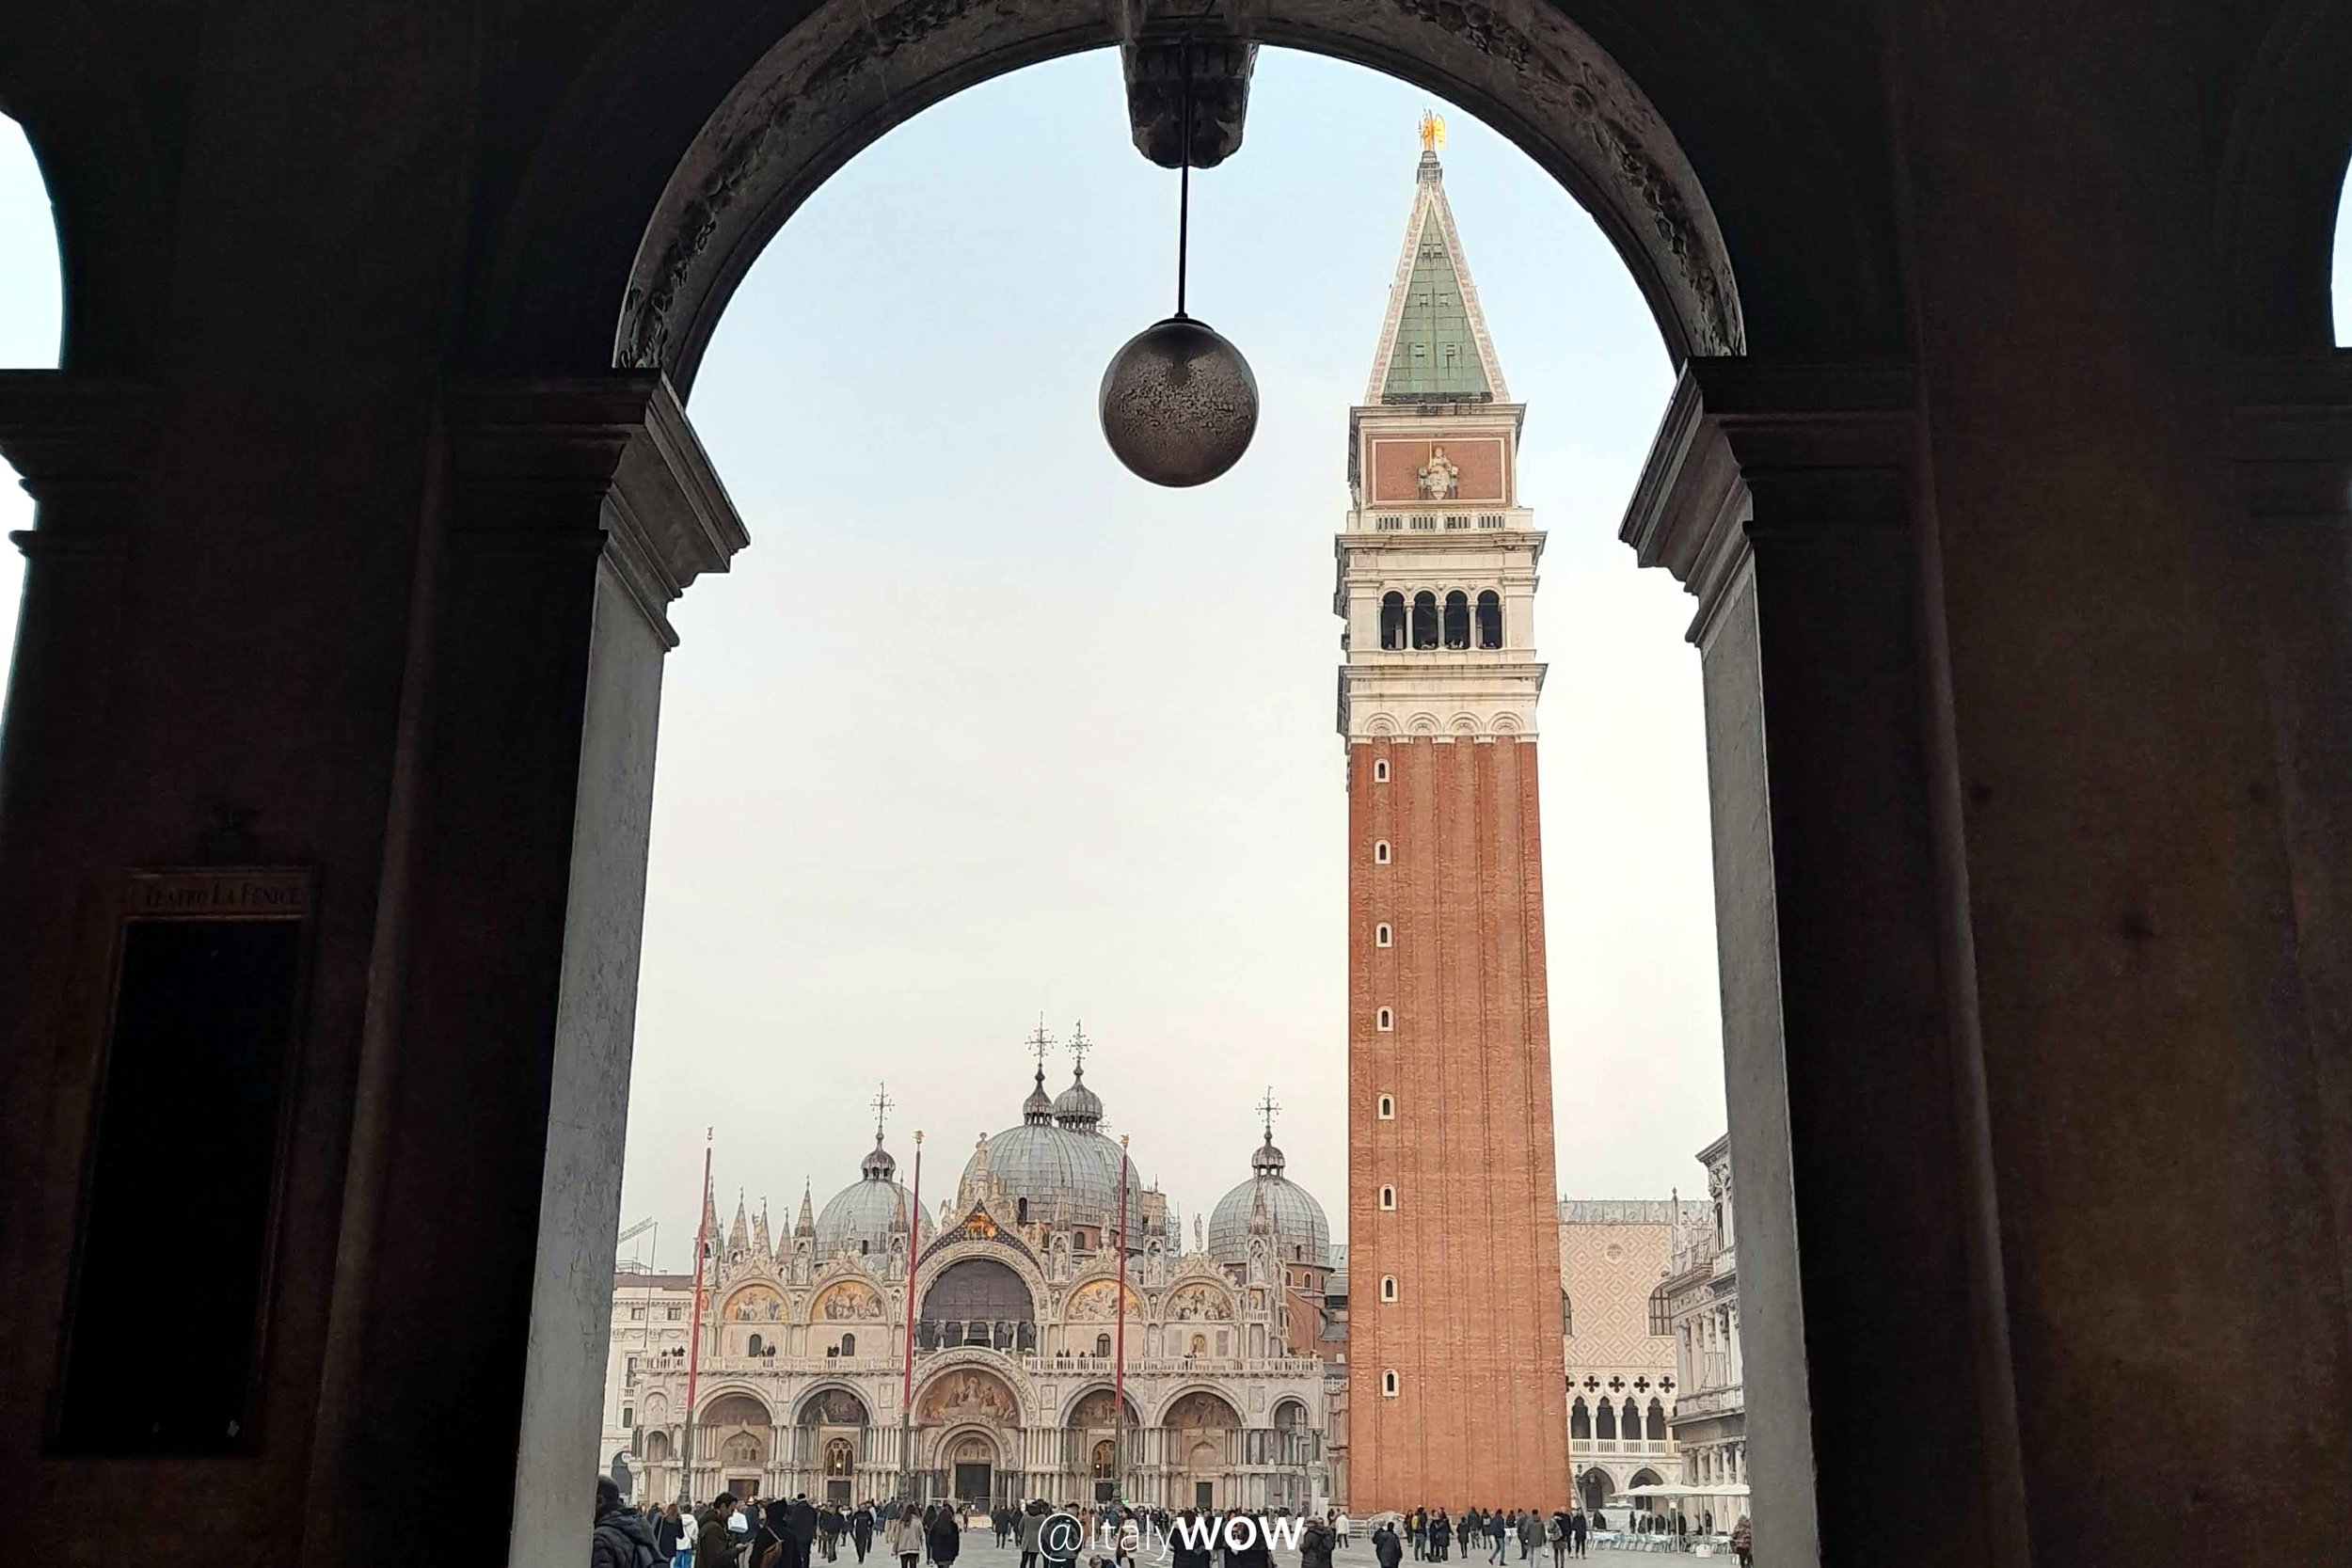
1266,1108
1079,1046
881,1103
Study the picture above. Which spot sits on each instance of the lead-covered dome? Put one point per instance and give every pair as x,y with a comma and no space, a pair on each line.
1056,1165
860,1217
1301,1233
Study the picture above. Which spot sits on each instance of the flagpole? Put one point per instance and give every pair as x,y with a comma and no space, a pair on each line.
694,1336
906,1376
1119,1373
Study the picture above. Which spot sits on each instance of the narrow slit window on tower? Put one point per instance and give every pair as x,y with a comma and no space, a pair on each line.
1385,1018
1388,1107
1388,1197
1381,936
1387,1287
1489,620
1392,622
1458,620
1388,1385
1381,852
1424,619
1380,770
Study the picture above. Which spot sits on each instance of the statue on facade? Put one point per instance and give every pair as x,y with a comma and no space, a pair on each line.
1440,478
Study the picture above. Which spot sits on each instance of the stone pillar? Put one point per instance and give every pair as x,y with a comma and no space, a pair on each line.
578,511
1780,496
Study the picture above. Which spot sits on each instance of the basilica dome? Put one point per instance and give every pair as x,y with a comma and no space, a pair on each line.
1056,1165
860,1216
1301,1233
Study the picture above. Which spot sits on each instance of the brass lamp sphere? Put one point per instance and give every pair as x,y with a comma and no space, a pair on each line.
1179,405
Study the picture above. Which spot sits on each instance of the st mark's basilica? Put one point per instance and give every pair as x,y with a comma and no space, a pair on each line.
802,1351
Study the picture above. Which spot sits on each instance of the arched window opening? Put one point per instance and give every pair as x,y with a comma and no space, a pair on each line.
1458,620
1424,619
1568,1315
1102,1345
1387,1384
1580,1421
756,1344
1382,935
840,1459
1388,1197
1657,1422
1605,1422
1632,1423
1393,623
1661,1312
848,1344
1489,620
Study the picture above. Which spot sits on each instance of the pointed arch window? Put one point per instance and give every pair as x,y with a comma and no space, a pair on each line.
1580,1421
1605,1422
1424,619
1489,619
1392,622
1458,620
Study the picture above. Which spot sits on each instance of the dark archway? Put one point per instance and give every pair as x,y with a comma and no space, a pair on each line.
707,136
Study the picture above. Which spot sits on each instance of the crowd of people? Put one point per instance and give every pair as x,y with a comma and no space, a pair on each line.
745,1532
732,1532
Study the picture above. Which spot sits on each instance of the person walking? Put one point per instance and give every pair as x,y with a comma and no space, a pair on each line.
1743,1542
1556,1533
668,1532
1387,1550
715,1545
619,1538
1499,1531
1578,1530
1314,1545
904,1537
1339,1527
946,1538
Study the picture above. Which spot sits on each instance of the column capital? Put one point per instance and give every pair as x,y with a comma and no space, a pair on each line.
2291,437
608,460
1751,445
74,438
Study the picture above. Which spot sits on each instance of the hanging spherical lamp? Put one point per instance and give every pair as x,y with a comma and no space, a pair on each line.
1178,402
1179,405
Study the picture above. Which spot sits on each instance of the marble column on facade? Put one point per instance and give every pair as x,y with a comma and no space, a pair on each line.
1781,496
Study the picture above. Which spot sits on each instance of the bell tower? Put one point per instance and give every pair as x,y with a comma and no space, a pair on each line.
1454,1369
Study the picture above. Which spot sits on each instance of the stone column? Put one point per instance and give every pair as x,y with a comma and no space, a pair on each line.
1780,496
489,1161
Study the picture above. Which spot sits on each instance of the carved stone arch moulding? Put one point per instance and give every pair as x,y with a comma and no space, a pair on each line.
854,69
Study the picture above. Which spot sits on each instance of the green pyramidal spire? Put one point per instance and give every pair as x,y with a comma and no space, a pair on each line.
1433,346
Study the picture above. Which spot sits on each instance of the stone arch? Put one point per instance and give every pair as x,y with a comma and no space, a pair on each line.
706,137
1090,1406
735,1407
967,1393
1289,1412
2289,136
103,159
1091,1300
760,1300
1198,1405
833,1404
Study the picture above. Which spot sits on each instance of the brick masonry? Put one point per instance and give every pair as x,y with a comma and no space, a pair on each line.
1473,1242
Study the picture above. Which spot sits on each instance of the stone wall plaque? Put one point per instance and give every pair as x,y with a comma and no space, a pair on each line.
174,1250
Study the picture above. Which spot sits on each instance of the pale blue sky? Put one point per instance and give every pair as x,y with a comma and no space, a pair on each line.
982,726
